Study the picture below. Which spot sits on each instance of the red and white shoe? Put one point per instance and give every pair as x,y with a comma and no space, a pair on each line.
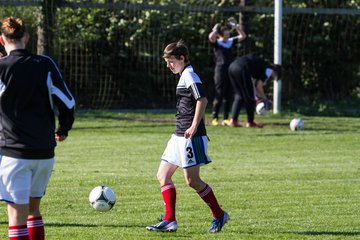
253,125
234,123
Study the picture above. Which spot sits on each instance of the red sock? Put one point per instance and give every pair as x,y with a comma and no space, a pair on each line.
168,192
208,196
18,232
35,227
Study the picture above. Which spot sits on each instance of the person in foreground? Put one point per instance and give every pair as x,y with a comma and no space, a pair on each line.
248,75
187,147
31,86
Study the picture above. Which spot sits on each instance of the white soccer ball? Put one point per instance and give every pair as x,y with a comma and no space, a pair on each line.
261,109
296,124
102,198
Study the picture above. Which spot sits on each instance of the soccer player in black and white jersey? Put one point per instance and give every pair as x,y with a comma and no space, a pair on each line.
223,45
187,147
31,87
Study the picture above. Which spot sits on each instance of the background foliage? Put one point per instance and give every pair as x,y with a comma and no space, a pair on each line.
111,55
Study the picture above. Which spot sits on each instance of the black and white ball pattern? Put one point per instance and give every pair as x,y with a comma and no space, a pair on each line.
102,198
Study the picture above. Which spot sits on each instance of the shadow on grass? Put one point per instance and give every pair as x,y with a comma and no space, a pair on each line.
313,129
320,233
125,226
92,225
119,127
139,118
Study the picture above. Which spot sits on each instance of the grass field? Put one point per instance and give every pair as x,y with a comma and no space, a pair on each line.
274,183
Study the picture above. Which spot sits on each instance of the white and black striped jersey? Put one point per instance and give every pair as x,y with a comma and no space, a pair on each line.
189,89
31,88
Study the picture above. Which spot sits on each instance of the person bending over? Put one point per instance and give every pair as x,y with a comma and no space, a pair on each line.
248,75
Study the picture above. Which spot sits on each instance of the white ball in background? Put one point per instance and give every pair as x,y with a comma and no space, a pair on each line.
261,109
296,124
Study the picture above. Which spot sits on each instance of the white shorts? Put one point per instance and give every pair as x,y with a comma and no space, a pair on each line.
186,153
21,179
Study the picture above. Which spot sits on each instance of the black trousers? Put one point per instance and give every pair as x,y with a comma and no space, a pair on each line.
223,91
243,87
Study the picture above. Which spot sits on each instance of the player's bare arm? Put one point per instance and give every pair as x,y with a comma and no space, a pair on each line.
214,33
241,34
199,114
260,89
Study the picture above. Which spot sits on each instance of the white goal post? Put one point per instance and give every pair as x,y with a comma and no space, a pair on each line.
277,53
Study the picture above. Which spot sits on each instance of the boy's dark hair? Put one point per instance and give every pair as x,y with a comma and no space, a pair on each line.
176,49
223,29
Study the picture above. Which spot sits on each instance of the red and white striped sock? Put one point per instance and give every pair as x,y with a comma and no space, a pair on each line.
168,192
35,227
18,232
209,198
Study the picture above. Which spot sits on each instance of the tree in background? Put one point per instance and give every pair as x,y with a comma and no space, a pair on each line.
113,54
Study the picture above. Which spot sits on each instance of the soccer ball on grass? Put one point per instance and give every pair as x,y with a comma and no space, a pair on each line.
296,124
261,109
263,106
102,198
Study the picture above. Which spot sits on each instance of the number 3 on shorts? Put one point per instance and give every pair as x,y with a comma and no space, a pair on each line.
190,153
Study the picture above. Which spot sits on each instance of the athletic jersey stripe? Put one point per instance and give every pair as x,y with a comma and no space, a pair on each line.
199,150
195,91
2,87
54,64
195,150
58,70
206,160
201,146
50,85
70,103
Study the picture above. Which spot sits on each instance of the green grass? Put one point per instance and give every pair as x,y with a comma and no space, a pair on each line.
275,184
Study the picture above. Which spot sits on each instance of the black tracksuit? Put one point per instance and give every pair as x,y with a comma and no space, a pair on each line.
31,90
242,71
223,92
